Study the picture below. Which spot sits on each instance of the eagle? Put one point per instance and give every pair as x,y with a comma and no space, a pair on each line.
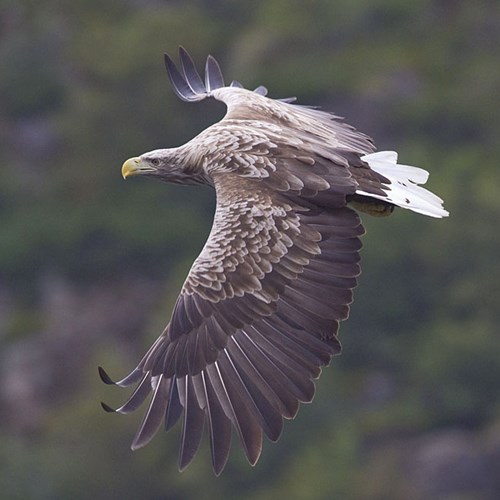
258,315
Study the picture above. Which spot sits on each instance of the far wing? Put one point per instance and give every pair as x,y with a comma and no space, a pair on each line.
319,126
188,84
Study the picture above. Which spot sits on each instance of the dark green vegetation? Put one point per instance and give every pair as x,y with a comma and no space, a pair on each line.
90,265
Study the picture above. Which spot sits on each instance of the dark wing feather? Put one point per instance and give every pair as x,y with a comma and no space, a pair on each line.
154,414
237,84
213,75
193,423
261,90
174,407
191,75
179,84
219,426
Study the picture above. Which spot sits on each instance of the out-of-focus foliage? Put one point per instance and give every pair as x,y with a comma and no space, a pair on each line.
85,258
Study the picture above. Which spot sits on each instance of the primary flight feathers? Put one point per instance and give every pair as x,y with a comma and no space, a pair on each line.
258,315
190,87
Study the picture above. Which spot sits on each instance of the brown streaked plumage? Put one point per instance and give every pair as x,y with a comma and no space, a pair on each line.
258,315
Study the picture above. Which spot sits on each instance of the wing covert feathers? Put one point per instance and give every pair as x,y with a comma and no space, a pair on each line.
258,315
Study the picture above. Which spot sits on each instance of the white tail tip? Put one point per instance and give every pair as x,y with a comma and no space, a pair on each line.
403,189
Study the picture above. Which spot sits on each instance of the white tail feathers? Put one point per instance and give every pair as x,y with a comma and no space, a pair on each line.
403,190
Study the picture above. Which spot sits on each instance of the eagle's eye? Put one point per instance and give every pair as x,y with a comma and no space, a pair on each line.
155,162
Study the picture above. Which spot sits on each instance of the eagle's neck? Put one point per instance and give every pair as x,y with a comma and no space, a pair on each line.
188,166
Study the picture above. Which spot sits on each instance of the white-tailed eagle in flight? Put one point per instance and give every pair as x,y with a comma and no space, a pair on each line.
258,315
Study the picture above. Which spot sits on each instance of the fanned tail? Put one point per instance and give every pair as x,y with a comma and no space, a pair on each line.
402,188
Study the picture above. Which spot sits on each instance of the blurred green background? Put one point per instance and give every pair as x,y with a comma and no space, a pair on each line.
90,265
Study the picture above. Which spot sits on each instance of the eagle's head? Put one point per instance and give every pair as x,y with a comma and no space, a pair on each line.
167,165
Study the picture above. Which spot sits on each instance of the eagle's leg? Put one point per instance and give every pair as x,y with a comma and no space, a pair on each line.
370,206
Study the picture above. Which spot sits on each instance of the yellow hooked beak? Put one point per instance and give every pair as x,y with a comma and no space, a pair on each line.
131,167
136,166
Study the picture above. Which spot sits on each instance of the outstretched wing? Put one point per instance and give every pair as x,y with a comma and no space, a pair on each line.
243,104
258,314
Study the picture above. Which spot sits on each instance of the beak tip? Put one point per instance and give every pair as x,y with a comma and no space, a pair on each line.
129,167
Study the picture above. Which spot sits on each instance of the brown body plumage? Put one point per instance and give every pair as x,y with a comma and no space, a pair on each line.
258,315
